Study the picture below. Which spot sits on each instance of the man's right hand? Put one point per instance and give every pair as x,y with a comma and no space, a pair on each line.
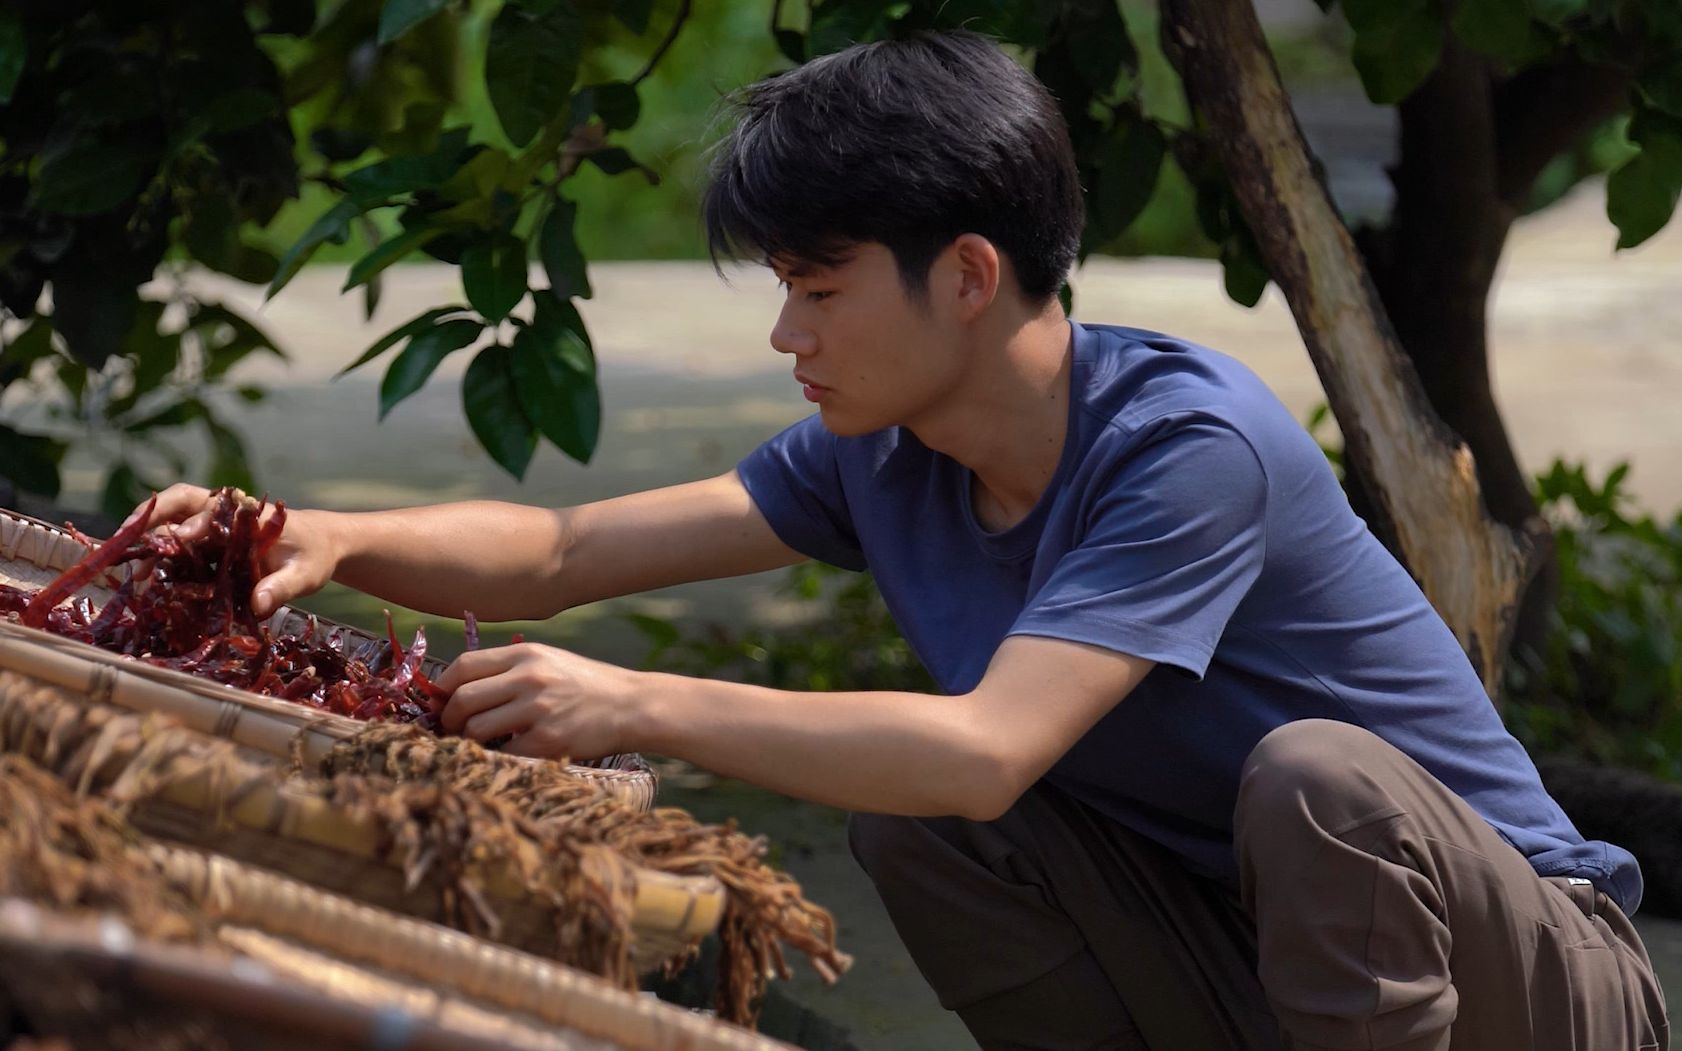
300,563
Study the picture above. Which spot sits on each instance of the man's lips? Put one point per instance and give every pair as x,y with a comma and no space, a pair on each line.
812,391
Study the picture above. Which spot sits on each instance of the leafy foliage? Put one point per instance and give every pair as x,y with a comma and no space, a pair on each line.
136,138
1397,44
849,642
1608,683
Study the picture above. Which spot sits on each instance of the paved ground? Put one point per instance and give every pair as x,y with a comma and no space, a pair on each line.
1588,355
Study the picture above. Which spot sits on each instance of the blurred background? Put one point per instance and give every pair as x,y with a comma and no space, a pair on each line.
206,217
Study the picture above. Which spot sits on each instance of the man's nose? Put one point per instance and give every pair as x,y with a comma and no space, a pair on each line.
788,336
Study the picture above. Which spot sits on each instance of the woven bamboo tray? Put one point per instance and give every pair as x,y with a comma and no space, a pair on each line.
225,803
33,552
294,984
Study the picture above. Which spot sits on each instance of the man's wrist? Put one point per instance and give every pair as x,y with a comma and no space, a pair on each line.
654,707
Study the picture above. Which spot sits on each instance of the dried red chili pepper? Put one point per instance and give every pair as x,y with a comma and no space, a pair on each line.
186,605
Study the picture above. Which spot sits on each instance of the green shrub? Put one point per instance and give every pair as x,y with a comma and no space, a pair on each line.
849,641
1607,684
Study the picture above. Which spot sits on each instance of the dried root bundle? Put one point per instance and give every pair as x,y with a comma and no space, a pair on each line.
79,855
570,817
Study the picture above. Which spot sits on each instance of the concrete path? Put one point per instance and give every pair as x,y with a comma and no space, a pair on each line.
1588,357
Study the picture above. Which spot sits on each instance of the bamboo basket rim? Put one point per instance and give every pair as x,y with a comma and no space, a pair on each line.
54,549
254,986
324,843
557,994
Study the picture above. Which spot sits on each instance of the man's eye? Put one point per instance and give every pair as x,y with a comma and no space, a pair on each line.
818,296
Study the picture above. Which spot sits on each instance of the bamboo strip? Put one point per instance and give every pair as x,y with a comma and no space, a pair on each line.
251,1001
264,724
443,957
201,791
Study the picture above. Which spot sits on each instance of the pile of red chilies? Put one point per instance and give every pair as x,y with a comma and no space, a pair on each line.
187,606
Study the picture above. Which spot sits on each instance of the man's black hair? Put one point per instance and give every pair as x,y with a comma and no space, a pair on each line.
909,143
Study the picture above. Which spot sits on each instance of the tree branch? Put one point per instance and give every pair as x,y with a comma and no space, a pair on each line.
666,44
1543,111
1422,480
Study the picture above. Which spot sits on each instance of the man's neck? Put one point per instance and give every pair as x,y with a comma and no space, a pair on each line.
1008,421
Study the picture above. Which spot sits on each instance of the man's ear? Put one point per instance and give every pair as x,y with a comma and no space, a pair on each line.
977,271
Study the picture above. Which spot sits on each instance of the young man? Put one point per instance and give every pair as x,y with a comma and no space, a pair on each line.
1208,772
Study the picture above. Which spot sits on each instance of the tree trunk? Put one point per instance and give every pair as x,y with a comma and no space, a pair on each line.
1422,481
1471,147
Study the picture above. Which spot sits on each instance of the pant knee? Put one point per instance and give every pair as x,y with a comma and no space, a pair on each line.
1308,767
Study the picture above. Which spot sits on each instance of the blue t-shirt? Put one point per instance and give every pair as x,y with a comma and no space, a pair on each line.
1192,521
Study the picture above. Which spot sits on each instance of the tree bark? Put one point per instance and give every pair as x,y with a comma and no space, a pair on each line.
1472,146
1423,481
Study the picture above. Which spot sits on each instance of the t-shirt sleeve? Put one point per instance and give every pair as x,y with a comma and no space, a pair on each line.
1173,544
795,481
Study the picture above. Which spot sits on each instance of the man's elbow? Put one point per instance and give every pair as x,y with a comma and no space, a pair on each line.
997,781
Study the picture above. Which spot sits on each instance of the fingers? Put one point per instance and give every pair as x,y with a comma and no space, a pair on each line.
514,716
478,664
535,745
481,695
175,504
292,580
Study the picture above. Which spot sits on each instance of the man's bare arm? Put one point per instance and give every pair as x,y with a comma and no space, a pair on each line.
508,561
890,752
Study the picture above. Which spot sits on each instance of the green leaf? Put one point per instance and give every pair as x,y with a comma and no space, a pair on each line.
634,14
1500,29
1244,276
334,226
493,272
229,339
563,263
477,179
387,253
615,161
555,377
33,344
1397,44
30,461
374,183
410,370
14,52
1641,197
1661,85
89,176
399,16
840,25
1128,175
409,328
792,43
617,104
1100,46
530,64
93,310
493,410
123,491
229,464
1557,12
210,231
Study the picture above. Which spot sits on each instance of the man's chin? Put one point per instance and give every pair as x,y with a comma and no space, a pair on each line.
843,426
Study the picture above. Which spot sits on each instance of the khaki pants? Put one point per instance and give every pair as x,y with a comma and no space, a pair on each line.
1377,910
